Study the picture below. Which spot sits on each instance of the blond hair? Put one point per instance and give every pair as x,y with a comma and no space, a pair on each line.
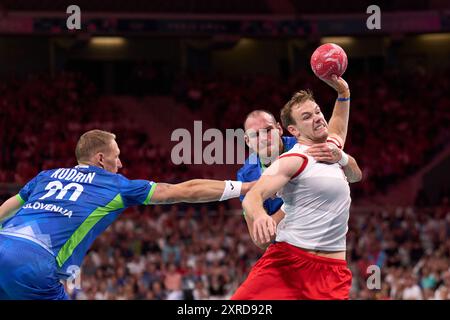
92,142
298,98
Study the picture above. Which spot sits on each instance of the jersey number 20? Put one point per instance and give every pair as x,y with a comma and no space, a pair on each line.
56,185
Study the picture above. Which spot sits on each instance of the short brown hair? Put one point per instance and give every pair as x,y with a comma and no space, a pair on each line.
299,97
92,142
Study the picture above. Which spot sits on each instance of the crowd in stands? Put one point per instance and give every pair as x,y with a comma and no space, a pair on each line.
411,248
179,252
44,118
393,130
165,253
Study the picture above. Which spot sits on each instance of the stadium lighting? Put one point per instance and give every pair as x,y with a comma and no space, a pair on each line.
108,41
341,41
434,37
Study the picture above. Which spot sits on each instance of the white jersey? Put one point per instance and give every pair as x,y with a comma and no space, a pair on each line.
317,203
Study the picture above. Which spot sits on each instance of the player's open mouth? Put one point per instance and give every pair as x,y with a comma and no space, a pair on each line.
319,127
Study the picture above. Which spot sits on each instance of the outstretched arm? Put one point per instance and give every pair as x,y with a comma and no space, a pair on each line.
199,190
338,124
9,207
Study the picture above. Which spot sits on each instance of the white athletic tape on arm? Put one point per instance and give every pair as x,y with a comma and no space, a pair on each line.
344,160
232,190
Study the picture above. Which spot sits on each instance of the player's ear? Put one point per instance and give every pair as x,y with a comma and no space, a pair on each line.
100,157
247,140
293,130
280,128
247,136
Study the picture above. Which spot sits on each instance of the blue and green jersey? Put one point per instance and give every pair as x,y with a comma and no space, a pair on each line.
64,210
253,169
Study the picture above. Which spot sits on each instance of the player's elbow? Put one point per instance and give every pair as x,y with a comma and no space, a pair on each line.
356,176
359,176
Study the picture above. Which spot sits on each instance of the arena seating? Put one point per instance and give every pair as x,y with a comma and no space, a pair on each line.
204,252
163,253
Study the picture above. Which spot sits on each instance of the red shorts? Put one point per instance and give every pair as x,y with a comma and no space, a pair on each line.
286,272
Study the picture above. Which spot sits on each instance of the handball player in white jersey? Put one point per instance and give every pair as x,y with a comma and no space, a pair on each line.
307,260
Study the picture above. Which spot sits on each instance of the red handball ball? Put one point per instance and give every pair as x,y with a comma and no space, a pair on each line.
329,59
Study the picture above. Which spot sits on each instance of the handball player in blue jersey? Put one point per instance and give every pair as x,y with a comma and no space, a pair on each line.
47,228
264,137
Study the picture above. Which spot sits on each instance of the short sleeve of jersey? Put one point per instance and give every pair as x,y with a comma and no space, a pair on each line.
27,190
136,192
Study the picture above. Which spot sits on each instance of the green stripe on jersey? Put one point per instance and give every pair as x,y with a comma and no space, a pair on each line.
150,194
18,197
79,234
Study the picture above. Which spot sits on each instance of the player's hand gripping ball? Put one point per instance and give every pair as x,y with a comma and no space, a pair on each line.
329,59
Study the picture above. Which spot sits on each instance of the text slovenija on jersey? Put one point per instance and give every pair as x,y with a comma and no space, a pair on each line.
65,209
